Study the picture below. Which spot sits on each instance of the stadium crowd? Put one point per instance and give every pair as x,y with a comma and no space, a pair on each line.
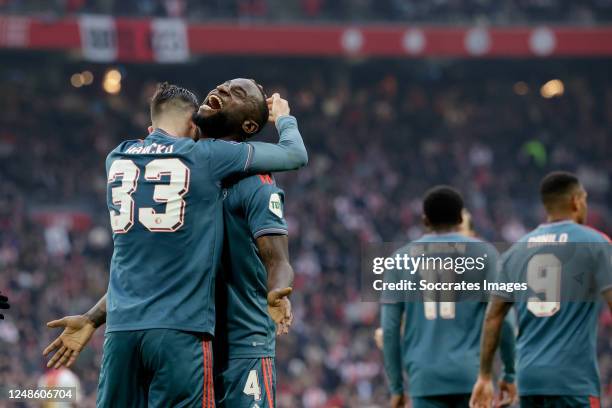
379,134
440,11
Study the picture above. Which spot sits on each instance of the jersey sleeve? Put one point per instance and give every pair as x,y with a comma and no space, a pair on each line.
288,154
394,276
603,267
391,321
504,275
264,209
493,263
228,158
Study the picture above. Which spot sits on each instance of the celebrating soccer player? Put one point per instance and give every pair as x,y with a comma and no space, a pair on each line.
439,349
557,360
159,304
252,288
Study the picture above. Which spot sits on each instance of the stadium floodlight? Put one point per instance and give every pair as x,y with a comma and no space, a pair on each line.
112,81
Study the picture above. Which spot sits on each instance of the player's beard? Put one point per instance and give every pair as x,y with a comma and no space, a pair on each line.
217,125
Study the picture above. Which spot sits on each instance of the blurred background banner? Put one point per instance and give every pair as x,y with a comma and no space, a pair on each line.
98,38
107,39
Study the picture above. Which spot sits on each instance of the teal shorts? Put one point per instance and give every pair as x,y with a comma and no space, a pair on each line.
562,401
442,401
246,383
156,368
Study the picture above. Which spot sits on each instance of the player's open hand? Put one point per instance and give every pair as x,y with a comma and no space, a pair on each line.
279,308
508,394
398,401
482,393
3,304
77,332
278,107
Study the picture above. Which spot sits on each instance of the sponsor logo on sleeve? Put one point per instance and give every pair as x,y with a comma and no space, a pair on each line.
275,205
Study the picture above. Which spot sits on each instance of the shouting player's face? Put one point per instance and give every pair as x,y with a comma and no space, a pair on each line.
232,109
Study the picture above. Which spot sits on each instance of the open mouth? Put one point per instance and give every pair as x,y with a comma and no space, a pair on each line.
214,102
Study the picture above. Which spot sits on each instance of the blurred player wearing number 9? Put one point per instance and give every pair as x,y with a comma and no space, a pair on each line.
556,346
157,349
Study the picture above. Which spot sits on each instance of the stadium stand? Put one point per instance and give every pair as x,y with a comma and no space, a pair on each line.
441,11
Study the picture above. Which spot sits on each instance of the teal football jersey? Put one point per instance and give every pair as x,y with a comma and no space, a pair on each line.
252,207
165,200
441,340
556,344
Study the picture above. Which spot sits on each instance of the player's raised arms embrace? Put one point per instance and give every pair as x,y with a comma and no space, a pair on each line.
165,202
556,346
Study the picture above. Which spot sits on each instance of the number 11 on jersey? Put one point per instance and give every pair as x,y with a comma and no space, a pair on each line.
447,310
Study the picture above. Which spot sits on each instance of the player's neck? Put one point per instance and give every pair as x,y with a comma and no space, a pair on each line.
171,129
559,217
232,138
446,229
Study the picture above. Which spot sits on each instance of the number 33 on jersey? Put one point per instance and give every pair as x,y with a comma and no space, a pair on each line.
165,202
170,192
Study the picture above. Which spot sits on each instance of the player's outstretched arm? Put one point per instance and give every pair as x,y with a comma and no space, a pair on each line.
4,304
77,333
97,314
391,321
274,252
289,153
482,393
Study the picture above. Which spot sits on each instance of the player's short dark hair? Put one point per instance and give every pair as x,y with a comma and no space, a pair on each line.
262,107
556,186
442,205
168,96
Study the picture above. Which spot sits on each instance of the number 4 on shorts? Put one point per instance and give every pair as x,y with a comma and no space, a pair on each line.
252,385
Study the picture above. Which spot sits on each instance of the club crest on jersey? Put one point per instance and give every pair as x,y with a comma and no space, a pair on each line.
275,205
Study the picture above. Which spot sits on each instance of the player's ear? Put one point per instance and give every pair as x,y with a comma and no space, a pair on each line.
426,222
194,131
150,129
575,202
250,127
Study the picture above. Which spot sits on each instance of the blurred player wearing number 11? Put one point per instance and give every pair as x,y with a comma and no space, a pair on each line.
439,348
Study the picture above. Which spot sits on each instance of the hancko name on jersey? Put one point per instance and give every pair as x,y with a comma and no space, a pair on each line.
153,148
